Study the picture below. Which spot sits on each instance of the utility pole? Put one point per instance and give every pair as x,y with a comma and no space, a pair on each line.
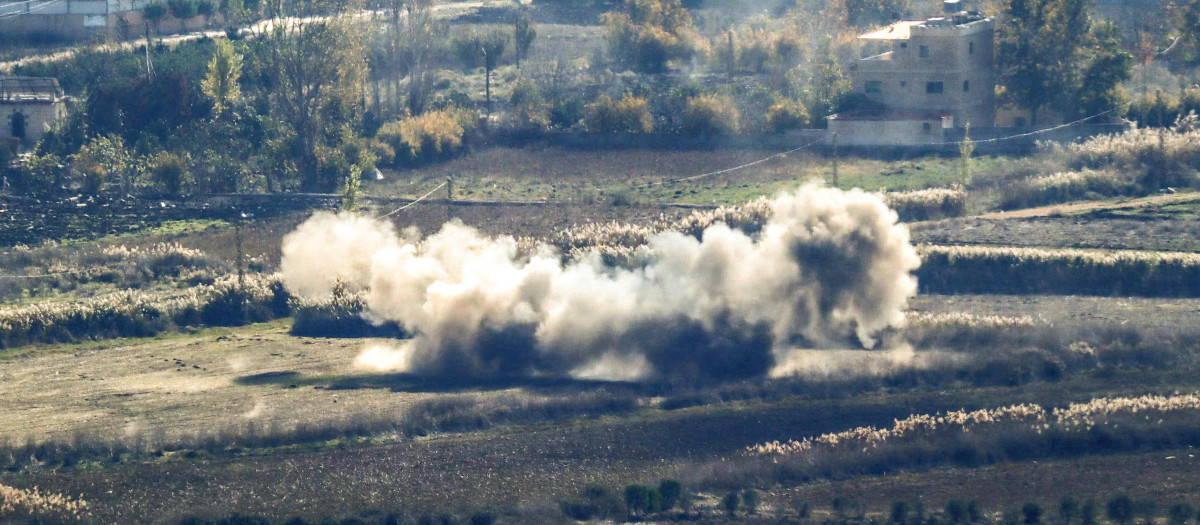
835,161
149,63
449,196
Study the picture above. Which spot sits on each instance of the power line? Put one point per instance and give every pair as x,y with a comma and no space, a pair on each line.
743,166
29,10
419,199
1039,131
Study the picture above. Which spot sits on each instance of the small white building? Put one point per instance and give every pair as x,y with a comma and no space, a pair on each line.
891,127
29,106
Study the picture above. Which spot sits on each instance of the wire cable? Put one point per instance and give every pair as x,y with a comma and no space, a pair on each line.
418,199
1039,131
735,168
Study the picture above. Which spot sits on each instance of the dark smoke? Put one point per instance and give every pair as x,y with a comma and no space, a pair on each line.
830,269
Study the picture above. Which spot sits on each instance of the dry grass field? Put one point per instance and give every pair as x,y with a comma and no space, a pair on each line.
196,409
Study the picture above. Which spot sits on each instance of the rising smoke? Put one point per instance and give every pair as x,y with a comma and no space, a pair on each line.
830,269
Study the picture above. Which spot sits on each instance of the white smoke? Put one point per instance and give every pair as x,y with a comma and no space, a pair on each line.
830,269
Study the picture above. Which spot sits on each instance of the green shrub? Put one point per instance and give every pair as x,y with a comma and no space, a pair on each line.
40,175
638,499
786,114
431,136
529,112
171,173
596,503
1120,508
750,500
627,115
710,115
650,33
1031,513
340,316
671,491
730,502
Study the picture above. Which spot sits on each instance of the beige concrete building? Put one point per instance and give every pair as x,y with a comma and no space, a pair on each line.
29,106
938,73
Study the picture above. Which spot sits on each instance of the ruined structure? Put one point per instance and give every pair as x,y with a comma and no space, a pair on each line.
28,107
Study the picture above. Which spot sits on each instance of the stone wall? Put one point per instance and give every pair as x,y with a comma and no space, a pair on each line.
39,117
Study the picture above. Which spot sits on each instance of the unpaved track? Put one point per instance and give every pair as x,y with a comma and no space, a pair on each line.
1078,207
442,10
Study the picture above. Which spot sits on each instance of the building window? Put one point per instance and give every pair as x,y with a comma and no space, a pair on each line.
934,88
903,45
923,51
966,86
970,48
926,127
874,86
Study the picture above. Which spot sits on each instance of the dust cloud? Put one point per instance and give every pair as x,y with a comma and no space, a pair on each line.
829,270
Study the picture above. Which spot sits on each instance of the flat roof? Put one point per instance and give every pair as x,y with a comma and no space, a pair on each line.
893,114
896,31
14,88
903,30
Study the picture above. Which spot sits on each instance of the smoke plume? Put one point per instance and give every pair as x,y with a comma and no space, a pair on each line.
830,269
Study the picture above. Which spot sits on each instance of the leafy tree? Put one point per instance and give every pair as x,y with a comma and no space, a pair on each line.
183,9
900,512
315,72
1031,513
649,33
170,171
1187,27
102,159
350,192
710,115
786,114
1067,508
206,9
40,175
154,13
730,502
1048,51
974,512
844,507
221,81
956,511
823,84
1120,508
671,491
627,115
1180,513
637,499
523,36
1145,508
1089,512
802,508
750,500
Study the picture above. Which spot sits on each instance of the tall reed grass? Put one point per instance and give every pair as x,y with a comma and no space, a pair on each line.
928,204
971,438
987,269
141,314
36,506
